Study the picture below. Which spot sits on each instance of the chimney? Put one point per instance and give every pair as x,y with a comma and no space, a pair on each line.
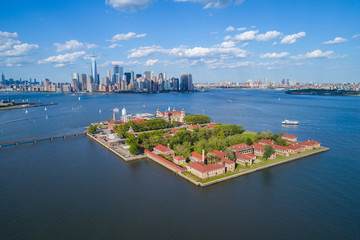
114,116
203,156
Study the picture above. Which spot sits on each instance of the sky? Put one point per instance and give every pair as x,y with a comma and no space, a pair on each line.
214,40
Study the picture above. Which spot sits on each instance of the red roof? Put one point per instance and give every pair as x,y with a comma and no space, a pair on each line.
258,146
138,120
175,130
310,142
267,141
227,161
194,126
280,147
162,148
251,155
289,136
218,153
197,155
211,125
179,158
243,156
171,113
240,146
295,146
202,167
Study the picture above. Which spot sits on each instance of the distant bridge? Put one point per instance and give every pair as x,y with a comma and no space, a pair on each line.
41,139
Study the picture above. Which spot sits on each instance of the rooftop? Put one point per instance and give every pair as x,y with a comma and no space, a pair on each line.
202,167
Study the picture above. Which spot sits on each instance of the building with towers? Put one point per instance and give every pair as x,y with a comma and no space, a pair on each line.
171,115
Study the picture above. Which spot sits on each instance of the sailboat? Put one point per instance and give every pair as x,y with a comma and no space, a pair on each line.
46,117
45,109
99,110
79,98
26,111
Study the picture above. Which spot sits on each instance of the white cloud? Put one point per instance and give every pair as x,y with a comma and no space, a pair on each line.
336,40
241,29
356,36
73,45
15,61
18,49
213,3
315,54
228,37
225,51
246,36
126,36
274,55
228,44
274,43
145,51
151,62
62,60
129,5
213,32
114,45
10,47
6,35
120,63
289,39
268,36
230,29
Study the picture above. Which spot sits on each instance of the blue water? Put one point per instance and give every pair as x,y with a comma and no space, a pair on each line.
76,189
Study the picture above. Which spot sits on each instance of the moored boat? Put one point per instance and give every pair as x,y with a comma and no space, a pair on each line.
290,122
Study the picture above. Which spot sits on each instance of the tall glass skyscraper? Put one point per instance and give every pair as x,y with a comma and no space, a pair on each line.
94,70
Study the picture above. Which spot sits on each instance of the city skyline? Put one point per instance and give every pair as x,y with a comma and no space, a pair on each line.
214,40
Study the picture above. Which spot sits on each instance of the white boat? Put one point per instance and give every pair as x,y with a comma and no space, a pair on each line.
229,100
99,110
45,109
26,111
79,98
290,122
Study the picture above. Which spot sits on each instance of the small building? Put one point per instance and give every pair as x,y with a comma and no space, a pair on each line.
218,153
266,141
284,151
211,125
296,148
179,160
242,148
205,171
171,115
259,150
311,144
243,159
161,149
289,138
191,127
196,157
228,164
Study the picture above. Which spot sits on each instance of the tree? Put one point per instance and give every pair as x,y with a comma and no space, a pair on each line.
92,129
268,151
134,148
248,141
230,154
194,119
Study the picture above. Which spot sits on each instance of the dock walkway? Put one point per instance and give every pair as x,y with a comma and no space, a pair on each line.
40,139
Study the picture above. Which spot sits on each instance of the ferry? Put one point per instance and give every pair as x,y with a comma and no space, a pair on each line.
290,122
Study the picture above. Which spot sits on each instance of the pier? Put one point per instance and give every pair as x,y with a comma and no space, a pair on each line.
41,139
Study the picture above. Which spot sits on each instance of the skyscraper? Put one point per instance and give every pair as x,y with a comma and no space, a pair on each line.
186,82
94,73
83,82
75,82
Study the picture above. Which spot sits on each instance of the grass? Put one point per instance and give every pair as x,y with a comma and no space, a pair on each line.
249,135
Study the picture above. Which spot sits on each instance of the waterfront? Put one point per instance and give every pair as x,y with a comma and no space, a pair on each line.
75,188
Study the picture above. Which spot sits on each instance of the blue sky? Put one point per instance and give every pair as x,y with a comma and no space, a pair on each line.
215,40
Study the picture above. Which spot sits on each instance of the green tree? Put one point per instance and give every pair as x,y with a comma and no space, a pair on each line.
248,141
230,154
194,119
268,151
92,129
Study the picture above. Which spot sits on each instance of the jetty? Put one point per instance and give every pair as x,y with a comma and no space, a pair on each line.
41,139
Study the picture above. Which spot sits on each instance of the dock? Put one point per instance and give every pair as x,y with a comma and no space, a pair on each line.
41,139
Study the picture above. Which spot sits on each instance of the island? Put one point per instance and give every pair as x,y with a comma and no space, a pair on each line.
196,149
9,104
